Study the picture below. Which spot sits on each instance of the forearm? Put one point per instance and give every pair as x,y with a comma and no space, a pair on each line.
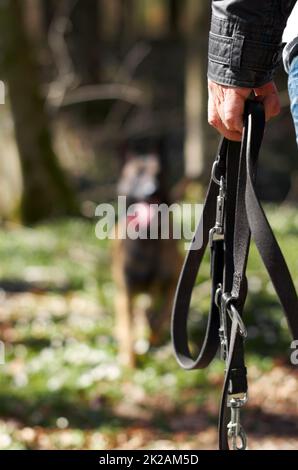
245,40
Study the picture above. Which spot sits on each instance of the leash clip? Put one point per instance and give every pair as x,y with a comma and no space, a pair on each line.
217,232
214,168
235,429
223,334
225,306
233,312
228,307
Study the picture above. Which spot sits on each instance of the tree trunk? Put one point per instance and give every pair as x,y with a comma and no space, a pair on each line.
174,16
46,192
126,24
119,22
199,136
48,10
84,40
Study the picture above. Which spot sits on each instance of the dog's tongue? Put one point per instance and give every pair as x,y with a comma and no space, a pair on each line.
143,214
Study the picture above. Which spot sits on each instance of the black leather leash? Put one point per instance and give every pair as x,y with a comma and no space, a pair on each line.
232,213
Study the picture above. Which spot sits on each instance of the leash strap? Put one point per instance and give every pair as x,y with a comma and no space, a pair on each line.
232,213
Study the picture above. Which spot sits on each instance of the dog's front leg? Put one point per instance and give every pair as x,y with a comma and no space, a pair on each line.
124,328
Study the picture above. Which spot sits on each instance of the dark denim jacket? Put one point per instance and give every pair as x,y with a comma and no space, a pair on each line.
245,40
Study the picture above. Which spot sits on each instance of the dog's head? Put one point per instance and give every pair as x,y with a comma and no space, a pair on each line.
141,179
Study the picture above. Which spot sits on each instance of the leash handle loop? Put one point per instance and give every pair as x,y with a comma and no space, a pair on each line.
232,214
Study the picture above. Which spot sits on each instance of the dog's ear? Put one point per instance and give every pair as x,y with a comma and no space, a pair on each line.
153,164
125,152
127,156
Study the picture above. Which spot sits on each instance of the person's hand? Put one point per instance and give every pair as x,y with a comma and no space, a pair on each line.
226,106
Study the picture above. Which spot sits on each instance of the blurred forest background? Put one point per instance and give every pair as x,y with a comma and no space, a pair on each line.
84,79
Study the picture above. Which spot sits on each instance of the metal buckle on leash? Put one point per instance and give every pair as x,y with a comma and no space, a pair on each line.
214,167
233,312
235,429
217,232
223,332
227,306
224,303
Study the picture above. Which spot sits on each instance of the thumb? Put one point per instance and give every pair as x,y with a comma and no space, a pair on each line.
268,94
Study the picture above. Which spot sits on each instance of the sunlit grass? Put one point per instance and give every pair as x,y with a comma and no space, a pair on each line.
61,379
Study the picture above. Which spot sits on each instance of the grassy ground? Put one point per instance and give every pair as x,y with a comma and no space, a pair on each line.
61,386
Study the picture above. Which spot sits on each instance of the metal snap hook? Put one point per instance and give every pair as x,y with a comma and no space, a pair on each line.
214,178
235,429
232,311
239,441
217,295
217,232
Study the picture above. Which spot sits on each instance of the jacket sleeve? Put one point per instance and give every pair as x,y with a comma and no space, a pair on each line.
245,40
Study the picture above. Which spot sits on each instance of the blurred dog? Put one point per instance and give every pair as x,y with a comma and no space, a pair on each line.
150,266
